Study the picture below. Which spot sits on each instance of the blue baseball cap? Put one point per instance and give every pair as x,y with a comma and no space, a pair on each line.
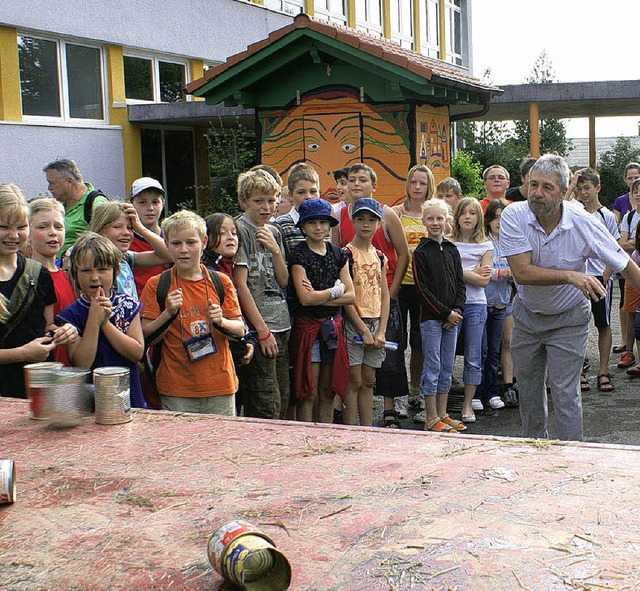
315,209
366,204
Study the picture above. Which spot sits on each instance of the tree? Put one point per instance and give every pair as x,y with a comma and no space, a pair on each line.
468,173
553,133
232,150
611,168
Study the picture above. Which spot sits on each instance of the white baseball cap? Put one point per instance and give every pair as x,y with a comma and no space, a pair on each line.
144,183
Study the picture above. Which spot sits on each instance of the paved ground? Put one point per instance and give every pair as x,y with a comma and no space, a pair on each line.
612,418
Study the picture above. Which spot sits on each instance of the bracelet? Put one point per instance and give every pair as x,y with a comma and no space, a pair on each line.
498,272
266,337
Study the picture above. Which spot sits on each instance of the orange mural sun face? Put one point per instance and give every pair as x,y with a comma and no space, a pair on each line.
332,129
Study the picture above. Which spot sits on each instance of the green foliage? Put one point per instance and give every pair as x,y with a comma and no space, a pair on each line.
611,169
468,173
232,150
490,143
501,143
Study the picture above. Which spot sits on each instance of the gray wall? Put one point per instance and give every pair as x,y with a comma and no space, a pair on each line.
27,148
207,29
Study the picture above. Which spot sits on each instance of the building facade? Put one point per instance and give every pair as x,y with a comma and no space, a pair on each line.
70,72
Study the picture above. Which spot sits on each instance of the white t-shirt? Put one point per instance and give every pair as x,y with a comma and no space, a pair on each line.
577,237
470,255
594,266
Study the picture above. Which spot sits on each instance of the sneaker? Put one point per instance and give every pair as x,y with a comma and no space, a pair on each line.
476,404
627,359
469,418
401,406
421,417
510,397
496,402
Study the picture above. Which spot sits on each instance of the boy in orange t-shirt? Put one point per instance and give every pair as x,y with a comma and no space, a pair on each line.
196,372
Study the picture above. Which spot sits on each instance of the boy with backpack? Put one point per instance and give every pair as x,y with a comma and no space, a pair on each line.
195,371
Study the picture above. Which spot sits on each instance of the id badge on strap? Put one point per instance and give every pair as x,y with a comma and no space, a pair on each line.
199,347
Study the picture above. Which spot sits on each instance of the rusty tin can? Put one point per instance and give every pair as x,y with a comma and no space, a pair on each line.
38,378
248,558
7,482
113,398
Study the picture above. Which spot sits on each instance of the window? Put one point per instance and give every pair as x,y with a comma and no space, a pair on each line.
333,11
154,80
292,7
369,16
429,28
60,79
402,22
455,40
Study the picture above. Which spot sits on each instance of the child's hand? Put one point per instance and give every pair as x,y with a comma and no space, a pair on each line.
367,339
100,309
67,333
215,313
130,211
265,237
38,349
174,301
269,346
483,270
454,318
247,356
379,340
505,273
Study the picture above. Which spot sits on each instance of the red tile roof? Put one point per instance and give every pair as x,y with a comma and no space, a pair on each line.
426,67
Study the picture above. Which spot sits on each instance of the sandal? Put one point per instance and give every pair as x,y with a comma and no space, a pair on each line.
604,382
457,425
391,419
634,372
584,383
437,425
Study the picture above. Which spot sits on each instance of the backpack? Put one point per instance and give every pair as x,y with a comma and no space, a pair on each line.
87,211
22,297
151,358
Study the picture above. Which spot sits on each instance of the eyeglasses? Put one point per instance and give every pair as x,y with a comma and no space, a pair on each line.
497,177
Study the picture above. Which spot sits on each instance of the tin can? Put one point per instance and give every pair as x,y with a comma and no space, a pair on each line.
7,482
38,378
248,558
113,399
68,396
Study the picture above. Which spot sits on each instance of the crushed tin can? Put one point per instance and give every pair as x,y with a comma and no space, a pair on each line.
112,395
7,482
248,558
38,378
69,397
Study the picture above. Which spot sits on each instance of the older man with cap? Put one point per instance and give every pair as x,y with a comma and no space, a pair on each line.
547,242
68,187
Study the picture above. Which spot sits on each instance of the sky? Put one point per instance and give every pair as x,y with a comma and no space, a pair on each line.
582,43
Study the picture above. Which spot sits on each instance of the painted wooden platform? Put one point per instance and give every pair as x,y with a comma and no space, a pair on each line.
354,509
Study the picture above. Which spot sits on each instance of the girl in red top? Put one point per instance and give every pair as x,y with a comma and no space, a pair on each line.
46,238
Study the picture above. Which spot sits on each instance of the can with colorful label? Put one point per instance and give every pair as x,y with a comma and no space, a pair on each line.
7,482
248,558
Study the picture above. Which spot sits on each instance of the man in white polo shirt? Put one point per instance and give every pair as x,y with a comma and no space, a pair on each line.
547,242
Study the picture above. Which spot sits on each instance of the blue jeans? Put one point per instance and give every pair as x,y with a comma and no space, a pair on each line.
439,348
491,348
475,316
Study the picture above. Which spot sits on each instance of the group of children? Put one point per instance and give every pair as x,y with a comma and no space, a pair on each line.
258,315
